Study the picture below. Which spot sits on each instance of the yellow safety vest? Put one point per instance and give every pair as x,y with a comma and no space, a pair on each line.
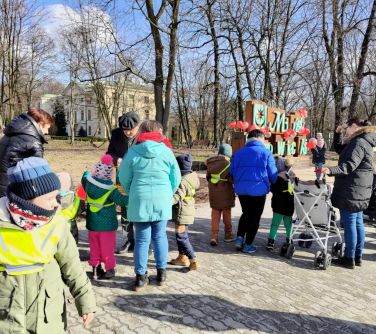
193,191
215,178
27,252
71,211
95,205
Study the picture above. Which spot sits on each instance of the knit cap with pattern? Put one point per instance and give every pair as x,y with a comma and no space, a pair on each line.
103,168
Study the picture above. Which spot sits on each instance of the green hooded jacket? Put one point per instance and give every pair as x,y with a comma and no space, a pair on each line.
35,303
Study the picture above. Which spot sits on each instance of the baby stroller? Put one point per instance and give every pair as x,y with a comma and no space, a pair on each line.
315,220
371,210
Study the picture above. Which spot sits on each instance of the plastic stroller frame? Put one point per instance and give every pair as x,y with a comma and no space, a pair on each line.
306,224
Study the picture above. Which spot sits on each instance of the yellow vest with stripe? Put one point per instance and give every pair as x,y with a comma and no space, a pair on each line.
71,211
97,204
215,178
192,189
25,252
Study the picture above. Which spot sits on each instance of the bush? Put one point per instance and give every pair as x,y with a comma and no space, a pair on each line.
79,138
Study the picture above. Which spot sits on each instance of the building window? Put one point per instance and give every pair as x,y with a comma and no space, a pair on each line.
99,131
89,130
66,102
146,99
147,114
89,115
89,100
131,97
82,115
82,100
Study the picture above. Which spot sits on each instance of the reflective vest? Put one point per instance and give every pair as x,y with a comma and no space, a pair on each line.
95,205
26,252
71,211
192,189
215,178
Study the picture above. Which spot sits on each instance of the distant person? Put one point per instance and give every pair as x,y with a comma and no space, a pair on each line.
253,169
221,193
39,257
183,212
101,219
352,188
318,156
23,137
282,201
150,175
122,138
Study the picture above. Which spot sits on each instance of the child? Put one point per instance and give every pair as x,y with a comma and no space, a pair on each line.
221,193
39,255
183,212
101,219
318,156
282,200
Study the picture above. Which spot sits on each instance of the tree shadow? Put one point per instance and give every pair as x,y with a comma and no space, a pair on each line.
210,313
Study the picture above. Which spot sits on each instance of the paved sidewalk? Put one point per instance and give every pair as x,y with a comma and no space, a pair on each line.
237,293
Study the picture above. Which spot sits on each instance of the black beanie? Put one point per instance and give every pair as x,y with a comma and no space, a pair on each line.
129,120
32,177
185,163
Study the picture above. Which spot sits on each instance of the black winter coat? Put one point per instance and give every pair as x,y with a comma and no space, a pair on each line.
119,144
354,173
22,138
282,200
318,154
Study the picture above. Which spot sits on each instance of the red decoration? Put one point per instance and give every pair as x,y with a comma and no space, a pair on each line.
303,113
311,143
289,133
304,131
80,191
239,124
253,127
232,125
246,125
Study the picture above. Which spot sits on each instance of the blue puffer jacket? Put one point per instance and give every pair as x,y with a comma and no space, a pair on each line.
253,168
150,175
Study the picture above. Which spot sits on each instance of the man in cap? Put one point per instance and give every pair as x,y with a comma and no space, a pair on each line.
122,138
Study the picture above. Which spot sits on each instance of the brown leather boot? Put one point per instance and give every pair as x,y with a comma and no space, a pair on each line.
194,265
181,260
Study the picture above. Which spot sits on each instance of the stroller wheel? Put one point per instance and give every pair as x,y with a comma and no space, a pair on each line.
327,261
290,251
335,249
318,259
308,244
342,249
301,242
284,249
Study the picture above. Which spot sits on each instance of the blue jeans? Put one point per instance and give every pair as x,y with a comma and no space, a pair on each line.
355,234
145,231
319,166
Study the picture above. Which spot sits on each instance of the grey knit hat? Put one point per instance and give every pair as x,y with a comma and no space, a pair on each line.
225,149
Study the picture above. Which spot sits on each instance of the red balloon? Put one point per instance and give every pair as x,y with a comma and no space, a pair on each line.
232,125
253,127
80,191
246,125
303,113
239,124
311,143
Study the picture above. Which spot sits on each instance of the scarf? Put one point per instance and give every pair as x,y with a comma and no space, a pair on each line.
27,215
154,136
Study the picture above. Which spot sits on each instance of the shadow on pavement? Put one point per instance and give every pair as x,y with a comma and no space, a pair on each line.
213,314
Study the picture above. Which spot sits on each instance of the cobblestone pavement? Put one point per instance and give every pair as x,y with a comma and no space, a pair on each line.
237,293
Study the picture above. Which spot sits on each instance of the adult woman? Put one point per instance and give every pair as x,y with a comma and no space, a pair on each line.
150,175
353,186
23,137
253,169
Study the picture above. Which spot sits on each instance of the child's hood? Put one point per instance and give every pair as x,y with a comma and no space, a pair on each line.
149,149
192,179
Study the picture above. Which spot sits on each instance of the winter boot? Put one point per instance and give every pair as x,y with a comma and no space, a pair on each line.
161,276
358,261
181,260
230,237
270,244
346,262
97,272
194,265
109,274
141,282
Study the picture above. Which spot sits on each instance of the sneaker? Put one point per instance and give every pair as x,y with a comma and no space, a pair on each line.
109,274
194,265
270,245
181,260
239,242
249,249
229,237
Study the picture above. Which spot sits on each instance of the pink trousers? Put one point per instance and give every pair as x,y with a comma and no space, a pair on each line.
102,248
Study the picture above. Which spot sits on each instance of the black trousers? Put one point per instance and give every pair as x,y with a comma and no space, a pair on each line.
252,208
